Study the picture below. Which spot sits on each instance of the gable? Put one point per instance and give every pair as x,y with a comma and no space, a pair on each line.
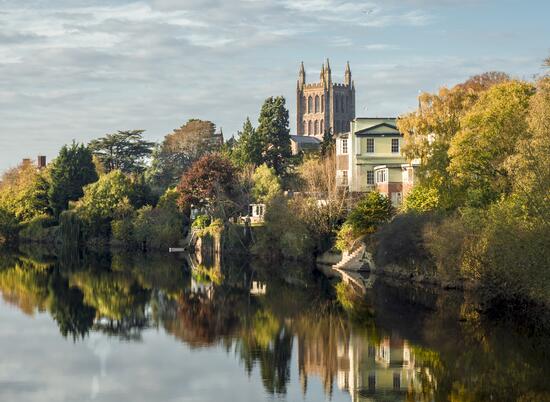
382,129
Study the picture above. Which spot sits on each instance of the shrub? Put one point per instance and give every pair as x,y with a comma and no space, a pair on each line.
9,228
422,199
201,222
401,242
41,229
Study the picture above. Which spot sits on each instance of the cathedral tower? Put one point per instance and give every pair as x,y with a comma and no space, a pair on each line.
323,106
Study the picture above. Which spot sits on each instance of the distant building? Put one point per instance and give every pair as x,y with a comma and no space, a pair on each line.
324,105
302,143
369,157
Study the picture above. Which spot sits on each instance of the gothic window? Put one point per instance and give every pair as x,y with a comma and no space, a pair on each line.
309,127
309,104
322,127
342,104
336,103
322,103
316,127
316,103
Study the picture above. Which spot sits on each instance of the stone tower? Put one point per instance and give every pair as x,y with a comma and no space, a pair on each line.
323,105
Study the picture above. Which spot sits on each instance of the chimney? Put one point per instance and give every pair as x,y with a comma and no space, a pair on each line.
41,161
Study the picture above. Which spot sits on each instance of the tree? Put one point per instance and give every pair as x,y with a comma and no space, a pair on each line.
370,212
273,129
9,227
70,172
266,184
248,147
489,134
126,151
422,199
329,142
24,192
209,183
103,201
180,149
429,131
529,168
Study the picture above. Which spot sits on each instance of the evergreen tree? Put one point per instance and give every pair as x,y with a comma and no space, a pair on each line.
274,132
125,151
70,172
248,147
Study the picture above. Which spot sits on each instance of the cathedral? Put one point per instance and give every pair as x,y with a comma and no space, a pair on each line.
324,106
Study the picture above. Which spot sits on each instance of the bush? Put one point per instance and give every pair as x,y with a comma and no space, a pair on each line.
201,222
282,236
422,199
370,212
41,229
401,242
9,228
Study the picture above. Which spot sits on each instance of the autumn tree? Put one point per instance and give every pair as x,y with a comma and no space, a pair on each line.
126,151
180,149
489,135
209,183
24,192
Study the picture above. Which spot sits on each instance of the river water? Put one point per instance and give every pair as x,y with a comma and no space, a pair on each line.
145,328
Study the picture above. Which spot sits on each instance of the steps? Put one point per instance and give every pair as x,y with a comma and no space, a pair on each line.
352,261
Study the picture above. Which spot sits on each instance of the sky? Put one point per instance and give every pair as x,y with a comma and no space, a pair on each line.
76,70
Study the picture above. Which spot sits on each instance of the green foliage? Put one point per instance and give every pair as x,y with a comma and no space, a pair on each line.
70,229
247,149
266,184
201,222
282,236
273,130
9,227
70,172
40,229
103,201
422,199
345,237
125,151
369,213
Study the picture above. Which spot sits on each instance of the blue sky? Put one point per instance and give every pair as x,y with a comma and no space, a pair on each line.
75,69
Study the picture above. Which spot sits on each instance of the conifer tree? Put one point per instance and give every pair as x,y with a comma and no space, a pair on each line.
274,132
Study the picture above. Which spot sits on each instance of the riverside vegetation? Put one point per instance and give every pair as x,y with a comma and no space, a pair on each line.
478,216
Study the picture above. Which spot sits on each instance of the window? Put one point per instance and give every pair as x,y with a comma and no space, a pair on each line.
316,103
316,127
322,103
342,104
395,145
381,176
370,177
344,146
309,127
370,145
345,177
322,127
336,99
309,104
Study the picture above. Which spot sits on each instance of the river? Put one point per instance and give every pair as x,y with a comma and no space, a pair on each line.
114,327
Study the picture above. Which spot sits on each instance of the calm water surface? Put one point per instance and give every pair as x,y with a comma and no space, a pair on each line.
115,327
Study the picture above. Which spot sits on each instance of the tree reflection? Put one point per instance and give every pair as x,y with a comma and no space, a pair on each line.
401,344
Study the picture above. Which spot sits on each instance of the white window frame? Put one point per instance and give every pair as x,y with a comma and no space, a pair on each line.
393,141
344,175
381,176
373,146
370,177
344,146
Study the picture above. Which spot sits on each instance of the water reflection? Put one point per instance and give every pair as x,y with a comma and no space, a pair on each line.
287,323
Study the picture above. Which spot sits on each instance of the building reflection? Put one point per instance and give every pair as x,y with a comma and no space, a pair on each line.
368,369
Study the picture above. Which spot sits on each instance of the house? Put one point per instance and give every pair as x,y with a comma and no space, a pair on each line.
369,157
302,143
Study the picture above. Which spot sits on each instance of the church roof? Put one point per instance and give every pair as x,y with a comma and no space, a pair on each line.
305,139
